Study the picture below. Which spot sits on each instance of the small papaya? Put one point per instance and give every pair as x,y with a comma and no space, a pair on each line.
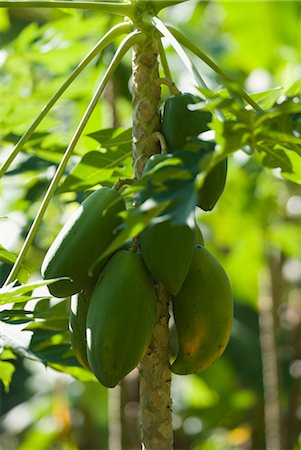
203,311
179,126
77,324
167,250
83,238
180,123
213,186
121,317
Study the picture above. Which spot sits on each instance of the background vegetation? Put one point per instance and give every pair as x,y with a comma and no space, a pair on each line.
255,231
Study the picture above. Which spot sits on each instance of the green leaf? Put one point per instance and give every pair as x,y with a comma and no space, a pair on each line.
7,370
266,99
114,158
96,167
11,294
112,137
295,89
7,353
6,256
275,156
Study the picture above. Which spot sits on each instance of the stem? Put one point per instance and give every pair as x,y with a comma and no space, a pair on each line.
155,376
120,9
146,97
194,49
161,4
155,382
164,62
114,419
107,39
125,45
160,26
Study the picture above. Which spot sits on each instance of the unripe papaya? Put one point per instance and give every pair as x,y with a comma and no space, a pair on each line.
179,126
77,324
83,238
180,123
121,317
167,250
213,186
203,311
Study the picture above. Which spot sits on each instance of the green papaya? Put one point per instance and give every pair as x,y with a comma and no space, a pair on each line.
121,317
179,126
203,311
83,238
77,324
213,186
167,250
180,123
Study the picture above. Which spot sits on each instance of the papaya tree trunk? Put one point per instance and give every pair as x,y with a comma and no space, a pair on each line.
155,376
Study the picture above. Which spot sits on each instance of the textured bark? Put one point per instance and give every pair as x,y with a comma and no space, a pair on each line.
155,376
155,381
146,97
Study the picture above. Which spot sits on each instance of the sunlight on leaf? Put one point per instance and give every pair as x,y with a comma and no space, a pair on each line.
7,370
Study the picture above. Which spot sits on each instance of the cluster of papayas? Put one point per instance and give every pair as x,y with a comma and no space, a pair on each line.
113,299
113,313
174,252
180,124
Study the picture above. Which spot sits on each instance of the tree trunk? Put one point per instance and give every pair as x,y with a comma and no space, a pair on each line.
155,376
269,292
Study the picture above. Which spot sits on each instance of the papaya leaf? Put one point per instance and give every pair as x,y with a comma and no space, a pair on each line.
295,89
16,317
7,370
12,294
112,137
275,156
266,99
6,256
97,167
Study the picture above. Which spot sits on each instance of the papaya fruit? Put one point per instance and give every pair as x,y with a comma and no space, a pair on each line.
180,123
213,186
167,250
121,317
83,238
203,311
77,324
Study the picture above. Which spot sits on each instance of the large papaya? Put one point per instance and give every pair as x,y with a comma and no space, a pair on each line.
77,324
179,123
83,238
167,250
203,311
121,317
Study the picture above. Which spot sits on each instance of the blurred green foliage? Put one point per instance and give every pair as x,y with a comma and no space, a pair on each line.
259,214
